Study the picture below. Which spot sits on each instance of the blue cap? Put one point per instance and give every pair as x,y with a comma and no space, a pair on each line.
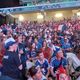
10,43
57,50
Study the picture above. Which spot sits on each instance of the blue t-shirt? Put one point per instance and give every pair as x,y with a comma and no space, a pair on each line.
55,62
40,40
32,54
44,66
23,58
66,45
38,46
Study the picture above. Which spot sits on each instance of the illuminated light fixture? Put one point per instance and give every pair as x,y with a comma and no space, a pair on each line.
40,16
78,13
58,15
21,18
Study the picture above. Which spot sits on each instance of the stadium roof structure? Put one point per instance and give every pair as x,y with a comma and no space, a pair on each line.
43,7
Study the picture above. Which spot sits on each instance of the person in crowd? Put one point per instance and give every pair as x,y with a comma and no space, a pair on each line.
11,62
46,51
74,64
24,40
21,53
32,53
36,74
47,36
43,64
57,62
66,45
38,44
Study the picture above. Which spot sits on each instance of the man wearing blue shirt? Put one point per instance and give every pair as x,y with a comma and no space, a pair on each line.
57,61
43,64
66,45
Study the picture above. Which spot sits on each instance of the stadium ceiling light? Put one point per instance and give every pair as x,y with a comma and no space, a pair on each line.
40,16
58,15
78,13
21,18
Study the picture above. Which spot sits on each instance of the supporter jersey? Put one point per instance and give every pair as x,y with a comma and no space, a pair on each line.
55,62
32,54
44,66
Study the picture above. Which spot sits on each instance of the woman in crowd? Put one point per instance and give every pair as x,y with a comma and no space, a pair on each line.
46,51
36,74
32,53
22,54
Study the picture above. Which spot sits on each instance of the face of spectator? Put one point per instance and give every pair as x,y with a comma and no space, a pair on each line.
20,39
30,39
44,44
23,38
66,40
36,41
33,45
38,74
39,36
41,56
14,47
4,38
77,50
59,54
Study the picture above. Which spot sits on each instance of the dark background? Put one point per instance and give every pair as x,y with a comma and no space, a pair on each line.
9,3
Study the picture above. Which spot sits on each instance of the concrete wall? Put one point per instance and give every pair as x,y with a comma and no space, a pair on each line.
9,3
49,15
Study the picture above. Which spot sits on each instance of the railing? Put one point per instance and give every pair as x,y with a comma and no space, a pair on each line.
37,2
40,7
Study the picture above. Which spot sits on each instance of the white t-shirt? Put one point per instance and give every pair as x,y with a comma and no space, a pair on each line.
75,60
78,78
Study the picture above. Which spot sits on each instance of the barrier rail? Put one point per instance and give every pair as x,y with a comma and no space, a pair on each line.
40,7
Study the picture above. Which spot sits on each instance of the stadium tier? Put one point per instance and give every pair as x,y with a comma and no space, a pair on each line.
40,40
36,2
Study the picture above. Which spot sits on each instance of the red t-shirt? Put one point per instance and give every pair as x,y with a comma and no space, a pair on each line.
47,53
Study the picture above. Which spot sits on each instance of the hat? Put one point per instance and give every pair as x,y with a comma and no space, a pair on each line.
9,39
57,50
9,42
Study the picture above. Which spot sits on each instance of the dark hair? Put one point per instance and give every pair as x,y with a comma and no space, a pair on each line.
32,71
77,49
39,52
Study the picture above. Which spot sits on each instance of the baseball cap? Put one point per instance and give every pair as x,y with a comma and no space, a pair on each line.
9,42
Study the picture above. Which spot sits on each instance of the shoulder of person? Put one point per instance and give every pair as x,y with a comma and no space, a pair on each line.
45,60
30,78
43,77
54,58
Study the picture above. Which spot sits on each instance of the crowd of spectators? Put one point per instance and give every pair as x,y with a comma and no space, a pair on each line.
40,51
